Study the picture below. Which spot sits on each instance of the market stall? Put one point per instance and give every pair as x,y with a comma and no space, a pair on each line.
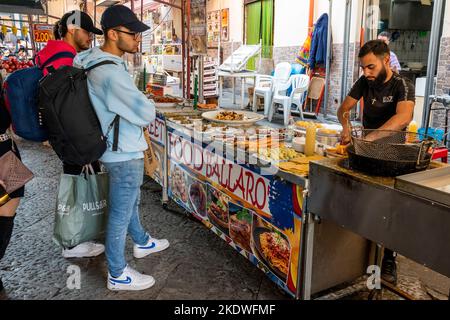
248,186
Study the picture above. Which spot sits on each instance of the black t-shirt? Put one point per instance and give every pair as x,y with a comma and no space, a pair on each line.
380,104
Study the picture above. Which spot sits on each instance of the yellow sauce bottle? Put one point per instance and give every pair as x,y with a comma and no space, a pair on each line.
310,144
412,127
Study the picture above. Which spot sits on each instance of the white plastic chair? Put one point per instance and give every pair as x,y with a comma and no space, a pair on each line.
264,85
300,83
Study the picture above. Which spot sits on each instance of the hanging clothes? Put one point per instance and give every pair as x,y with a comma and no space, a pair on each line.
318,53
303,54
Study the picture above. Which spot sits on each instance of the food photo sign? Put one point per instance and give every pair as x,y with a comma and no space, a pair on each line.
258,215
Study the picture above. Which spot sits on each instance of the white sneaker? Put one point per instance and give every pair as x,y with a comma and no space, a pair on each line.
153,245
131,280
84,250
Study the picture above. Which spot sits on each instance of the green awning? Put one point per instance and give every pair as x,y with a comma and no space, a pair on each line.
21,6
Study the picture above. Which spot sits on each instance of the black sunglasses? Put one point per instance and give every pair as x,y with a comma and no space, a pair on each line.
136,35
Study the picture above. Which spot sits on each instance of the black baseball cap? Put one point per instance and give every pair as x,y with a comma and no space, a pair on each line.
80,19
120,15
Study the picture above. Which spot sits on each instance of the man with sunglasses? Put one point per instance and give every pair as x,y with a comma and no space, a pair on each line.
113,92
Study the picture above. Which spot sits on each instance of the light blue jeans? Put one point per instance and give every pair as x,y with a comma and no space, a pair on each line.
125,180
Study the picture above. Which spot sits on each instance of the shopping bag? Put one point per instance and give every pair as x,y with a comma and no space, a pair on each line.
81,208
150,161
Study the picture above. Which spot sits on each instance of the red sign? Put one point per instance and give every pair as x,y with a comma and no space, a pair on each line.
42,32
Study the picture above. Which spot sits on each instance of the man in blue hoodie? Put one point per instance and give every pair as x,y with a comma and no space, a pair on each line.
113,92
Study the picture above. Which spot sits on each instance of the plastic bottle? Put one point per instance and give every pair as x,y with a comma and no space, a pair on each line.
290,130
412,128
310,144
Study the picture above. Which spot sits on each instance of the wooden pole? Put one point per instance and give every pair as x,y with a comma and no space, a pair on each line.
183,47
142,17
188,40
311,13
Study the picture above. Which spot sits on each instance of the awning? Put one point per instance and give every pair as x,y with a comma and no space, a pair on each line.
22,6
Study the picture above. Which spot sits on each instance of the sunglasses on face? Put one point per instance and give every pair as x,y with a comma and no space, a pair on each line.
136,35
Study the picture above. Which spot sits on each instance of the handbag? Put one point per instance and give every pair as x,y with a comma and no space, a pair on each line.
13,172
81,207
150,161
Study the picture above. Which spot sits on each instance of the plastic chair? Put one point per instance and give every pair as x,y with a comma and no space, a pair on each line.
299,84
315,92
264,85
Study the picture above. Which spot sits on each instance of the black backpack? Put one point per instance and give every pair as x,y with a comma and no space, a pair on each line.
74,130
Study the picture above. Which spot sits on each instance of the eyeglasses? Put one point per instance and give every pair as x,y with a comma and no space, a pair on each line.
136,35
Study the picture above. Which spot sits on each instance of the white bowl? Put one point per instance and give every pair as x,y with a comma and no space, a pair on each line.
298,143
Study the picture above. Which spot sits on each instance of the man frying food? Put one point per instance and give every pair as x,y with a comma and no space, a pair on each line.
389,101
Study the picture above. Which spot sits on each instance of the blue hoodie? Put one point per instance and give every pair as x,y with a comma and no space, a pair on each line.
113,92
319,43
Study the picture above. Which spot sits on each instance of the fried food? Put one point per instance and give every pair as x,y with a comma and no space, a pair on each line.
160,99
207,106
230,116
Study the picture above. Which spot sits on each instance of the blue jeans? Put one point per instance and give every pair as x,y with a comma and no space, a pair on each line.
125,180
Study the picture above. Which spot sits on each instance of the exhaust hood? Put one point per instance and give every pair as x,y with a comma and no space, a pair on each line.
411,15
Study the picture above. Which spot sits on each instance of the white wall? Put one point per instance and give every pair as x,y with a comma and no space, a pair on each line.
236,16
291,22
338,18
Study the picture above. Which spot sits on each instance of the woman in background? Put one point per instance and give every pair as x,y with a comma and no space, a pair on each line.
7,210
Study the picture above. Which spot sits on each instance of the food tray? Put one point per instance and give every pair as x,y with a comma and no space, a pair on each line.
165,104
433,184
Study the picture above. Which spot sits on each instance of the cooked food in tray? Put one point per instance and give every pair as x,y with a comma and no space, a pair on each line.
278,153
207,106
163,99
305,124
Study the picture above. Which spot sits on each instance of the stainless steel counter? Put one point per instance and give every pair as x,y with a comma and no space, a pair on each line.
371,207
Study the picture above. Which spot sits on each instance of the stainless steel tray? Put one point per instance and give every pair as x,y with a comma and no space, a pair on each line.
431,184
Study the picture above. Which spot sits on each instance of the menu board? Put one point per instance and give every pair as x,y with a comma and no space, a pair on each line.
199,36
218,26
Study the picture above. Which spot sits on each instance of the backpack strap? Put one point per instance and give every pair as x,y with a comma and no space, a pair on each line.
116,124
116,121
116,133
59,55
99,64
50,69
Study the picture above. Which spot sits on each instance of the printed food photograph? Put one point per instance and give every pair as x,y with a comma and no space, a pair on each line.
197,197
271,246
179,183
159,154
217,209
240,225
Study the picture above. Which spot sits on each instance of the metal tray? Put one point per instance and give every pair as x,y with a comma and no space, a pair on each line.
429,184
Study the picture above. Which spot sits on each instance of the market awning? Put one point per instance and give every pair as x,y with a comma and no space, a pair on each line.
21,6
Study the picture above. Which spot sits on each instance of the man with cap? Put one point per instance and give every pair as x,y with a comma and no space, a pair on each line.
76,31
113,92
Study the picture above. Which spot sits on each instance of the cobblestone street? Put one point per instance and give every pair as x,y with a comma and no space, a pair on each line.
197,265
